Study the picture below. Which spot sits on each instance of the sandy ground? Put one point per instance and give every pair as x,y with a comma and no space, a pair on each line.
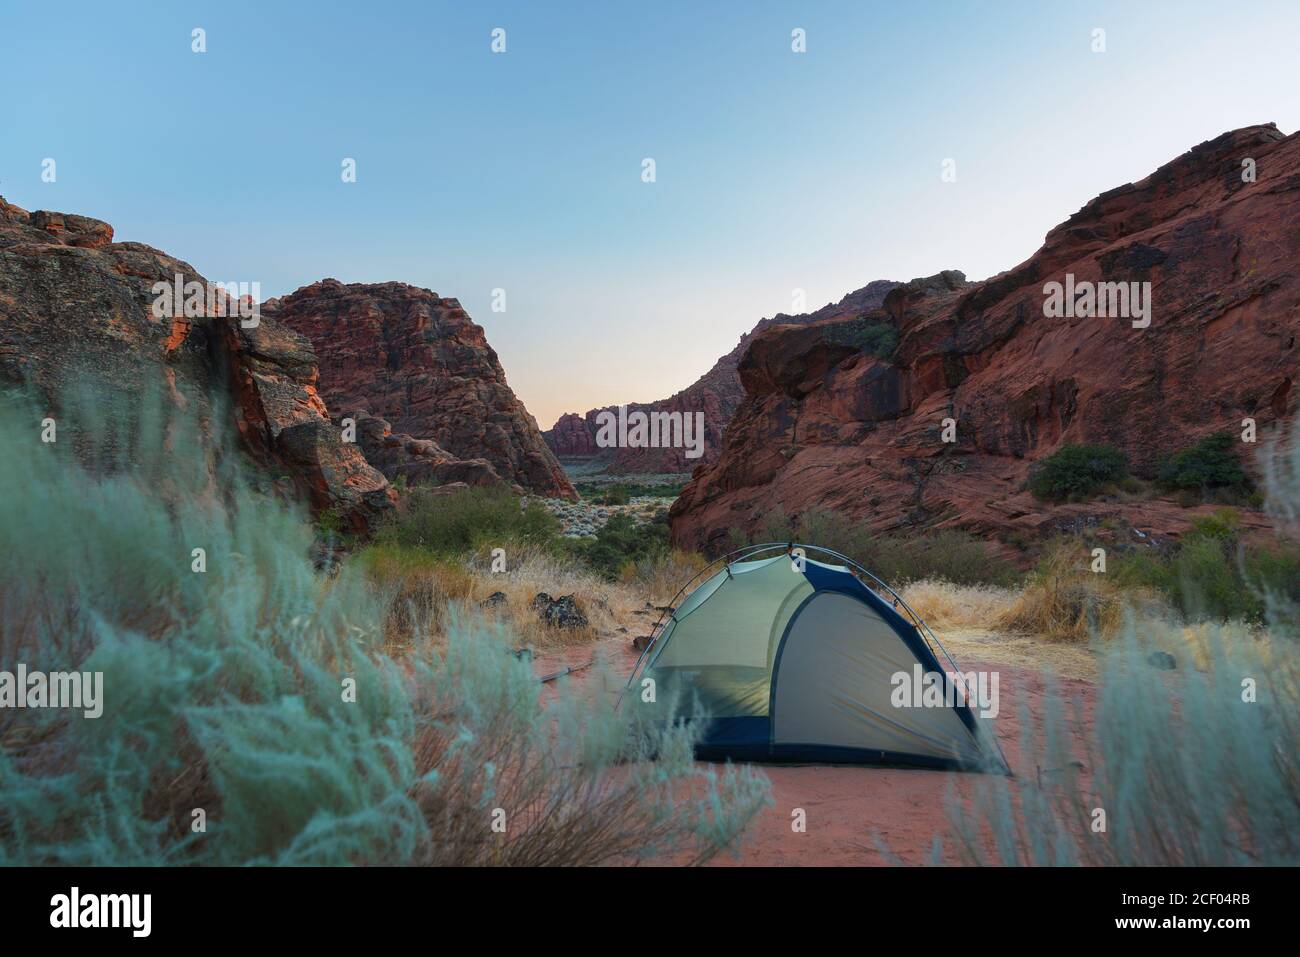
870,816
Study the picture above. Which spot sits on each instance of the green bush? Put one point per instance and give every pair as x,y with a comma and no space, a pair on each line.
621,540
1075,472
1210,584
615,495
458,523
1213,576
1211,463
599,492
329,523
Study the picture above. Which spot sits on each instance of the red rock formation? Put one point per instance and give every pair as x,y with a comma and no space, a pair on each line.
824,423
418,461
572,437
74,306
717,394
420,362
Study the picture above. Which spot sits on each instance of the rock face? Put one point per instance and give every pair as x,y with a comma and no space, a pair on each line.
418,461
76,307
717,394
825,422
420,362
572,437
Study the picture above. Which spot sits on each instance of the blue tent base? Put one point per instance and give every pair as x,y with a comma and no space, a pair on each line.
748,739
826,755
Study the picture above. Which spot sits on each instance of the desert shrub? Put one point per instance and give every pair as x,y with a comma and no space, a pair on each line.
1211,463
1223,525
1273,574
662,575
1074,472
222,689
598,491
1188,772
1194,766
621,540
329,523
530,570
452,524
419,588
1064,600
945,555
613,785
615,495
1214,576
1209,582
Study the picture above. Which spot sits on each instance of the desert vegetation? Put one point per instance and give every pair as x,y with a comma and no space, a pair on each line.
261,709
1191,756
1076,472
1209,470
378,709
946,555
622,491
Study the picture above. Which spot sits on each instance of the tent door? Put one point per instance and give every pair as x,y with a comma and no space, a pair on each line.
832,682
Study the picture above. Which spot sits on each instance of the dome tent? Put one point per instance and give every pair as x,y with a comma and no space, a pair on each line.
794,659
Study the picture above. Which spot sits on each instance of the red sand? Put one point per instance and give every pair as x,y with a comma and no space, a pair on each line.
850,811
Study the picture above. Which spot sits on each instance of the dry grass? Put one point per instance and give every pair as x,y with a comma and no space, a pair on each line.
1065,601
659,580
419,590
1197,644
533,570
943,605
423,587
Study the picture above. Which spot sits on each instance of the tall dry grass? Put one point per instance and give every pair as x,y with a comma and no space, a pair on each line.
943,605
660,578
1063,600
532,569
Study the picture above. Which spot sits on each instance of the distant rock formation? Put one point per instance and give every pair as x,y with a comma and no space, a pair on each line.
417,461
418,361
716,395
76,305
830,419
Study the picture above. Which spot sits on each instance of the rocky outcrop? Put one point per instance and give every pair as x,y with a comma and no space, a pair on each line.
831,420
76,310
715,395
573,437
419,361
417,461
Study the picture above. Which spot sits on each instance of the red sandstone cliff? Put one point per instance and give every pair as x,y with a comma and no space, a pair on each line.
716,394
418,361
826,423
77,307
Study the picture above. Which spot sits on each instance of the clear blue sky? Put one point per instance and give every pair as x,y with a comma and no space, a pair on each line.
522,171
